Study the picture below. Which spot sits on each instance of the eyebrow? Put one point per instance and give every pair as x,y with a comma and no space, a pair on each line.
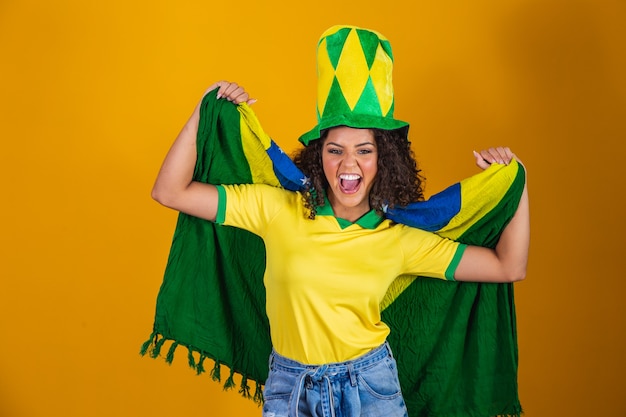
356,146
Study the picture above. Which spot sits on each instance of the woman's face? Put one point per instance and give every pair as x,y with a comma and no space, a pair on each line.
350,162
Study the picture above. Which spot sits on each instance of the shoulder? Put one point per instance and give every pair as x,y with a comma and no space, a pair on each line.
261,193
257,189
413,236
403,229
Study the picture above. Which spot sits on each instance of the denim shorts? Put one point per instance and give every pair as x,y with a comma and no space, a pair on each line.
367,386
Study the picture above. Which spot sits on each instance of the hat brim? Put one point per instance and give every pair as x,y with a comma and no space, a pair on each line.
359,121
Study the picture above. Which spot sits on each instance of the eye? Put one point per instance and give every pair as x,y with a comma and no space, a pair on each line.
365,151
334,151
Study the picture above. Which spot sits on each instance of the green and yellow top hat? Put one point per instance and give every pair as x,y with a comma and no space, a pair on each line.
354,87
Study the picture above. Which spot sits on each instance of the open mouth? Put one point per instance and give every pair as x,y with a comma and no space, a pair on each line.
349,183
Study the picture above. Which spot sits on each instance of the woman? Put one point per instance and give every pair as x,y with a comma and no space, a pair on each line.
331,257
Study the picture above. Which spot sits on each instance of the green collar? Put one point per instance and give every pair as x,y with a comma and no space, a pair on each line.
369,220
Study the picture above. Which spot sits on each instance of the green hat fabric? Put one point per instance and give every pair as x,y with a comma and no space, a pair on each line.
354,87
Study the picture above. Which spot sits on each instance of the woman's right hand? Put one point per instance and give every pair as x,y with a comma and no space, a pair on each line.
232,92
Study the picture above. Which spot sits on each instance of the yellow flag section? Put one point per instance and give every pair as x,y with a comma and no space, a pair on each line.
481,198
482,194
255,143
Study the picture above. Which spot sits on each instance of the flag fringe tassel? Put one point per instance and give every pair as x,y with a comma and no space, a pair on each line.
195,358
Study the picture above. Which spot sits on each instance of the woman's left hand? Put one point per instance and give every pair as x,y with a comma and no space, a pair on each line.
498,155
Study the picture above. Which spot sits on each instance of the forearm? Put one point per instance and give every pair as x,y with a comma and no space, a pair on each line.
512,248
176,172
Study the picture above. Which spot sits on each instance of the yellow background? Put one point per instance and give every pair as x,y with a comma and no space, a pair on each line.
92,93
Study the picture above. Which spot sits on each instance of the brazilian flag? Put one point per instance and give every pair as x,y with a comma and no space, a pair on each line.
455,343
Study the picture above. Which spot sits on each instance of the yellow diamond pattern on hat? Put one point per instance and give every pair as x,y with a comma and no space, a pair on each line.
325,76
383,84
352,71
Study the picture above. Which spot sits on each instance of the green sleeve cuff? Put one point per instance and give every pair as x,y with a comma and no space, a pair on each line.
220,216
455,262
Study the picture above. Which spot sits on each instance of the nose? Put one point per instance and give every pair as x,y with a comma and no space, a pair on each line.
350,160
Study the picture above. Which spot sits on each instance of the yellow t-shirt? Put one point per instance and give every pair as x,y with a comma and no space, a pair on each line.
325,278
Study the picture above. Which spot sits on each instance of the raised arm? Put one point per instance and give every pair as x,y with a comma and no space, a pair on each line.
174,187
508,261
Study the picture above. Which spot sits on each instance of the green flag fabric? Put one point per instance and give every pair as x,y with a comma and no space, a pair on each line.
455,343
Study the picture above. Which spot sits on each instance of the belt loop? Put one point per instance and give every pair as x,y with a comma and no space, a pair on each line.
389,349
352,375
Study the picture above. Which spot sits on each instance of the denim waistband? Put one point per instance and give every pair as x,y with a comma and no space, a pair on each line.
362,362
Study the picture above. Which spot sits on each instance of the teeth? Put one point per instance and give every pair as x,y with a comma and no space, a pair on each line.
349,177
